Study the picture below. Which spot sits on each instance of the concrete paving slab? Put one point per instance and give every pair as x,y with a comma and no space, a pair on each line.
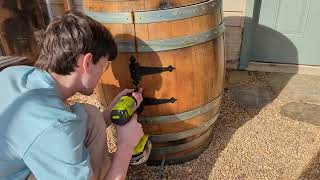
251,97
305,112
297,87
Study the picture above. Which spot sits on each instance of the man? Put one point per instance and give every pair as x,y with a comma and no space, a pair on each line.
41,136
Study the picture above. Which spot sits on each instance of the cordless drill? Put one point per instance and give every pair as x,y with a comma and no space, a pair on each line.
121,114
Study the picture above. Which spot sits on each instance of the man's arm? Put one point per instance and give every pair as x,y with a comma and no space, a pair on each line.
127,136
120,163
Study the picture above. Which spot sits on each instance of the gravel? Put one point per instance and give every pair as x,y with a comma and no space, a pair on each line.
246,144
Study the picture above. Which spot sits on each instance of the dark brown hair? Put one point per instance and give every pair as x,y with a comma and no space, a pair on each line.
71,35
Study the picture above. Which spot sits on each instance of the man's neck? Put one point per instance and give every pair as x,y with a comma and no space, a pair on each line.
66,85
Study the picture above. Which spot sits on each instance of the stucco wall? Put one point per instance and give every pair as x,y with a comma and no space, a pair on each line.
234,13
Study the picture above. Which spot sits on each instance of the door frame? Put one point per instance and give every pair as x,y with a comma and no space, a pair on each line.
252,16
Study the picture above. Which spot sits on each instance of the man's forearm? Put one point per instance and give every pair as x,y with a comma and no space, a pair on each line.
120,163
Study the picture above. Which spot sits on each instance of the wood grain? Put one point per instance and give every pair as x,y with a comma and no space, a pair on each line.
197,80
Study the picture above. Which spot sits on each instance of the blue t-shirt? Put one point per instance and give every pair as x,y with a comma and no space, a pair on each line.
38,132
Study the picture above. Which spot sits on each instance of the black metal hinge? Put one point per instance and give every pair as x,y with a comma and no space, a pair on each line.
147,101
138,71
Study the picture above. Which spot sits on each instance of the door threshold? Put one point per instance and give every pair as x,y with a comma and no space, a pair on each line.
284,68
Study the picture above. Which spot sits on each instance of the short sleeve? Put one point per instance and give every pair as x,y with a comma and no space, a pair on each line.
59,153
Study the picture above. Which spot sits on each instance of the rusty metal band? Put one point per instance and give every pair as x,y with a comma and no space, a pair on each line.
173,14
174,149
141,17
182,116
58,2
111,18
6,61
181,159
171,44
184,134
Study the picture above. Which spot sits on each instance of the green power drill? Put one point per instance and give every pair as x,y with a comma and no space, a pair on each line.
121,114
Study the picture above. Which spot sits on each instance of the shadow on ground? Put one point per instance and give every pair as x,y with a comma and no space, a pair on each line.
313,169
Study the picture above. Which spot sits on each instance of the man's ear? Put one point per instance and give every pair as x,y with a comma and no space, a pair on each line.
86,62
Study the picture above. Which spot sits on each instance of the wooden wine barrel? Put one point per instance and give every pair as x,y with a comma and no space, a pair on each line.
53,8
176,52
7,61
19,22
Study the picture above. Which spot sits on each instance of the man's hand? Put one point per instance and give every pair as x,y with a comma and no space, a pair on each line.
128,135
138,97
117,98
